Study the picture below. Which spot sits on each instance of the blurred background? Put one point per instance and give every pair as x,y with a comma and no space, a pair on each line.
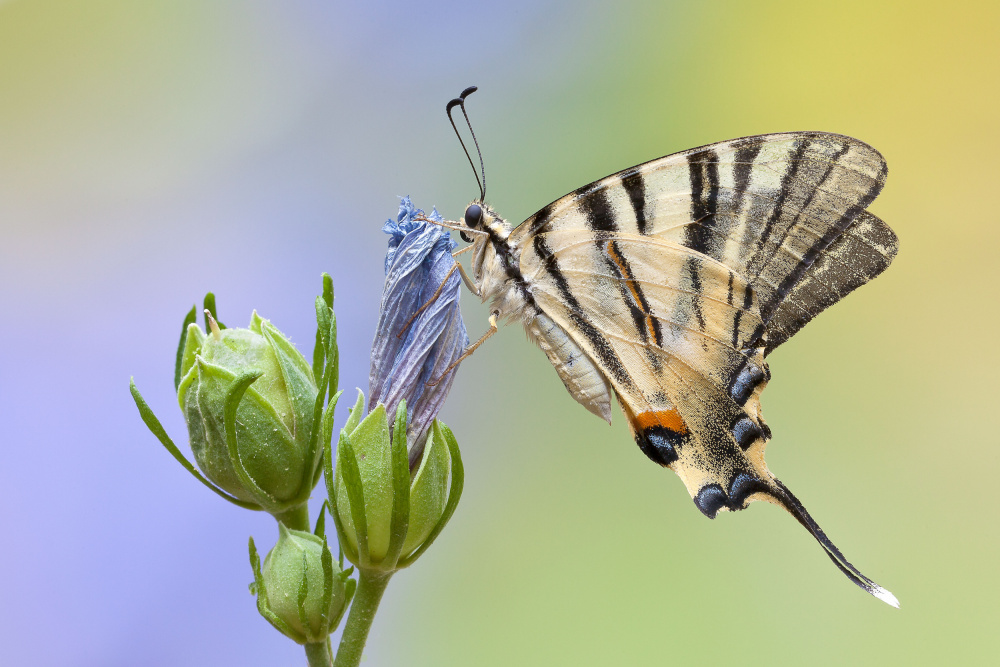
150,152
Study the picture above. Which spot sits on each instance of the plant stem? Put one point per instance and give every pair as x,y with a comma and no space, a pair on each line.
318,654
296,518
371,586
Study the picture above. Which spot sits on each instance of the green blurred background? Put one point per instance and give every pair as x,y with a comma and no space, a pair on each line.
152,151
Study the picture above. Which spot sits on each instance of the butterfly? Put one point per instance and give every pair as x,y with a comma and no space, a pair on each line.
667,285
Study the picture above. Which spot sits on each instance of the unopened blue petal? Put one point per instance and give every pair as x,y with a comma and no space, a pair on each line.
403,362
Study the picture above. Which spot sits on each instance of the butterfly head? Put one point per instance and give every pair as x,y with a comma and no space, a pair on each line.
482,227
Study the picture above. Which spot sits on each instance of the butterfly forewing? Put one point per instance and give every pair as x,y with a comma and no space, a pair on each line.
765,206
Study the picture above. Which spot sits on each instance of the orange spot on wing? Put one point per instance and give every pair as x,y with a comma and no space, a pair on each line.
670,419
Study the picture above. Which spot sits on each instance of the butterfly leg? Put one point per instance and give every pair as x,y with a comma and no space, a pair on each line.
469,350
469,282
431,300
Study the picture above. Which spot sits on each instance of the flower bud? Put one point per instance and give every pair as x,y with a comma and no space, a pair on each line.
272,461
301,590
420,333
385,516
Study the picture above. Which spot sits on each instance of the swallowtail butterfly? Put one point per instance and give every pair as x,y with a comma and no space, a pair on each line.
666,286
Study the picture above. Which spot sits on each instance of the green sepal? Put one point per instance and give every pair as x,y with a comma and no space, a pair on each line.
233,398
400,521
302,588
372,447
357,412
325,374
191,318
296,374
153,424
347,467
328,575
331,499
428,490
324,303
333,352
326,437
320,529
303,593
267,438
331,483
454,494
191,345
322,335
261,592
345,576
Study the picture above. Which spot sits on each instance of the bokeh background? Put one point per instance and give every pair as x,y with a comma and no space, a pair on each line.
152,151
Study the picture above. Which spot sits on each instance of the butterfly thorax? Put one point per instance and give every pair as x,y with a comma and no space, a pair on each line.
496,269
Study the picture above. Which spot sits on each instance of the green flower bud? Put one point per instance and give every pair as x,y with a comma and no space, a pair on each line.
254,409
385,516
301,590
274,464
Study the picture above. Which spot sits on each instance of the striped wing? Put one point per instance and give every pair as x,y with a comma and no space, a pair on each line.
769,207
862,252
674,276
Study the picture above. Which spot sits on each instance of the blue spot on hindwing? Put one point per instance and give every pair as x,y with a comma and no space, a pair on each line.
745,432
711,498
743,385
660,443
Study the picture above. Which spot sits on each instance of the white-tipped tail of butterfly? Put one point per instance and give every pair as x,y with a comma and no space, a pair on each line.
885,596
795,508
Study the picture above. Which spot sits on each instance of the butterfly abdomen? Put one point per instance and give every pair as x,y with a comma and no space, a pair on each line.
576,369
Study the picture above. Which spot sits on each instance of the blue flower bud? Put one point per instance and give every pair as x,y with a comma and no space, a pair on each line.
414,347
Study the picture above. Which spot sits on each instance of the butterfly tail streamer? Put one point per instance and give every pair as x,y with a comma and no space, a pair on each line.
788,500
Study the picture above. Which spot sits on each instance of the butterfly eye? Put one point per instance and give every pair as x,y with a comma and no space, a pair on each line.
473,216
465,237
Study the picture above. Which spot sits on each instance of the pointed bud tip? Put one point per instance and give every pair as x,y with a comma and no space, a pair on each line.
213,325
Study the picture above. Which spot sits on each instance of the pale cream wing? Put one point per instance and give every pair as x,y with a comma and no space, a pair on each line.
666,325
661,321
657,291
766,206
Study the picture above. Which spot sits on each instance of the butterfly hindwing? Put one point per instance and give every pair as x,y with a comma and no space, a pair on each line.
860,254
667,326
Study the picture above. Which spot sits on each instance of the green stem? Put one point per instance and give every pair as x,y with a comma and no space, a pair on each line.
371,586
318,654
297,518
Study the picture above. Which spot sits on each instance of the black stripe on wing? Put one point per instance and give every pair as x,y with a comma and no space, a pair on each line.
635,186
860,254
702,236
833,233
600,217
609,360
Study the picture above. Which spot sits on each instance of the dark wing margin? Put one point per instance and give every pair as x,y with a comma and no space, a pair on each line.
859,255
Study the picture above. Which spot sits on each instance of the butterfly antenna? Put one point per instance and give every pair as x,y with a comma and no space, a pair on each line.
460,102
796,509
